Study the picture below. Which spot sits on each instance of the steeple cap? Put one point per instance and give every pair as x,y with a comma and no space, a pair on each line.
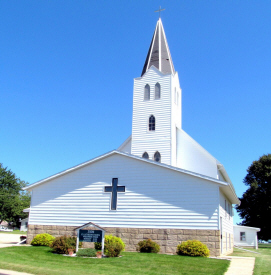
159,54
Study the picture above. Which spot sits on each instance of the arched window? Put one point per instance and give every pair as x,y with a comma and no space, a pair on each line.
145,155
157,91
157,156
147,92
152,123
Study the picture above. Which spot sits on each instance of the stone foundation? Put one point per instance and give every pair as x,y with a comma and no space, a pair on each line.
168,239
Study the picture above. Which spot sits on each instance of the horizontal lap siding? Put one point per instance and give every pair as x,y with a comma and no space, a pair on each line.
155,197
144,140
226,217
249,234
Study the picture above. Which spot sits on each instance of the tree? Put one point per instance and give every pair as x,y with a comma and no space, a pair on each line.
255,207
12,199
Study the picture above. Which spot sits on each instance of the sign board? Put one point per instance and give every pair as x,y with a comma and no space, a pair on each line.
90,236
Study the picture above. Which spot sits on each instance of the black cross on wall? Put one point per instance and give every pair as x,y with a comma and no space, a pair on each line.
114,189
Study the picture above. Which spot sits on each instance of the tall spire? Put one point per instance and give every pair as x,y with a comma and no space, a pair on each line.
159,54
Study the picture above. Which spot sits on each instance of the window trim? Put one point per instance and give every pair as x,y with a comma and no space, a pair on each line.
151,123
242,236
155,92
145,92
157,152
146,154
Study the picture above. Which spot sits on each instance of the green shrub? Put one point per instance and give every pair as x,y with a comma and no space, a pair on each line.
43,240
98,246
148,246
112,246
87,252
193,248
61,244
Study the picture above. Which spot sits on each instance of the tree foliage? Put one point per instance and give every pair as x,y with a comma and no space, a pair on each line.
255,207
12,199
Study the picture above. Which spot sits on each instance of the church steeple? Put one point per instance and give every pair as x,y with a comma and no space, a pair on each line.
159,54
157,104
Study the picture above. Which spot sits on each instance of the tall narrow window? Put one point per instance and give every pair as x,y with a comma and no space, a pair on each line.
157,91
175,96
147,92
145,155
152,123
157,157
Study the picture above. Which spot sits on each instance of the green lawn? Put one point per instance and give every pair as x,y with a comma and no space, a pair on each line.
15,232
262,260
40,260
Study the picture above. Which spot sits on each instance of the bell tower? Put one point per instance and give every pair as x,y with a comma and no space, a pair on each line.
157,104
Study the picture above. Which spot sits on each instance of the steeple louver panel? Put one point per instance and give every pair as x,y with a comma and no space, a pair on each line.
154,58
166,61
159,54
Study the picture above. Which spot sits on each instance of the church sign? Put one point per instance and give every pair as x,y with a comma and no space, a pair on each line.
90,236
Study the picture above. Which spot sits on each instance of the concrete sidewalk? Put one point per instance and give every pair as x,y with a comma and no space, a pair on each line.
6,238
10,272
240,265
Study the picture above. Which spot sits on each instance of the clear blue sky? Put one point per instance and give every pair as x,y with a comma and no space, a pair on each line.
67,69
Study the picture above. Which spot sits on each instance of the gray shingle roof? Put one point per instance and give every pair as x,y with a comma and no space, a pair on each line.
159,54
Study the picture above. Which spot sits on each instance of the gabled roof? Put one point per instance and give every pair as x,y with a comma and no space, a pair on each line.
220,183
247,227
89,224
159,54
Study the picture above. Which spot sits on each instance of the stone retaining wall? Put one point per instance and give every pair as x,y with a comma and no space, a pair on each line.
168,239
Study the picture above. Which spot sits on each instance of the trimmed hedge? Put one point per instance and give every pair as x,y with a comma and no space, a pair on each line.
193,248
112,246
87,252
148,246
42,240
61,244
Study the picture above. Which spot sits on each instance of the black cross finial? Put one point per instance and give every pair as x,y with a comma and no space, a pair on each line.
159,11
114,189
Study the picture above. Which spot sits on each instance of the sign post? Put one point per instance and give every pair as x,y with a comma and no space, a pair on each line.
90,235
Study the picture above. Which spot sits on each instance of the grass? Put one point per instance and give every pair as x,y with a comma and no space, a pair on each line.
262,260
40,260
15,232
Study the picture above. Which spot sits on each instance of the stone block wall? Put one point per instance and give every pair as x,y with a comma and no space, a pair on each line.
168,239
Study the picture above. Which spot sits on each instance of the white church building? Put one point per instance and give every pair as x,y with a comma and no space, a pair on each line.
159,184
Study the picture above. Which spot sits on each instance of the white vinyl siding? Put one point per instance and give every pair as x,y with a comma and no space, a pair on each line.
155,197
250,236
143,139
193,157
224,213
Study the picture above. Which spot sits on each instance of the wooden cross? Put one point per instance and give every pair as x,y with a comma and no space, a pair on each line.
114,189
159,11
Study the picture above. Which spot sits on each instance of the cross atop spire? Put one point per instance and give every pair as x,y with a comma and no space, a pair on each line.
159,11
159,54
